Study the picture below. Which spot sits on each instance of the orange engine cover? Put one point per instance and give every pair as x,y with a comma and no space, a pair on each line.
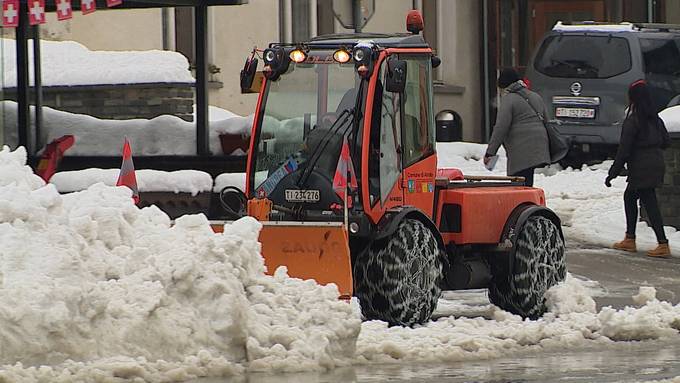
477,215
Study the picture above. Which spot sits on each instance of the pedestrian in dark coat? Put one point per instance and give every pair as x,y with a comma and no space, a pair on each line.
643,138
519,128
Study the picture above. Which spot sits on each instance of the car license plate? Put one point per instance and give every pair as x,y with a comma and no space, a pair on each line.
575,112
302,195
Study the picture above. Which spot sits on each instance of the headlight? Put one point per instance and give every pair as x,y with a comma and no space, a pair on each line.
341,56
359,55
269,56
298,56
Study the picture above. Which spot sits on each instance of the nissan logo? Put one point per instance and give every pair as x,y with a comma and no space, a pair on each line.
575,88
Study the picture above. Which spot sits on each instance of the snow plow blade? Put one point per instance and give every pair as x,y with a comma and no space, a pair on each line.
310,250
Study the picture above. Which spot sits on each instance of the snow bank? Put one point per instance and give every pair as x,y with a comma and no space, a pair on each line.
94,289
671,118
163,135
70,63
571,323
180,181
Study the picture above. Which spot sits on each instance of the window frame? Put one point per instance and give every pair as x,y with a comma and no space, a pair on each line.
406,162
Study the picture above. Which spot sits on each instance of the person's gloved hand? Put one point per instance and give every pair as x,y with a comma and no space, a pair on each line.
608,181
487,158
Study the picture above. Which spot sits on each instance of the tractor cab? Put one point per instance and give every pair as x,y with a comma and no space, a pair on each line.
339,119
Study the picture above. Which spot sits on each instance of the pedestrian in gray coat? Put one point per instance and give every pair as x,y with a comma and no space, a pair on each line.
519,128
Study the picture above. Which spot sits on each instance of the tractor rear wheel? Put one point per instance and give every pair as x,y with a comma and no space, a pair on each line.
398,280
538,264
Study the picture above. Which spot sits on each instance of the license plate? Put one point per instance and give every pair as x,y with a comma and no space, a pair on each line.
302,195
575,112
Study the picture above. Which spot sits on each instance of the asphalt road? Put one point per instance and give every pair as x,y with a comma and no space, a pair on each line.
619,275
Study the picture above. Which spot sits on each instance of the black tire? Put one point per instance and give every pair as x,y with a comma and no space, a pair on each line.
398,280
538,264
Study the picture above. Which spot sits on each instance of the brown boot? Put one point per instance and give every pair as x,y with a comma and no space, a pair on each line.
628,244
661,251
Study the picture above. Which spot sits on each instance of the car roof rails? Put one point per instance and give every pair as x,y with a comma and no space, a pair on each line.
658,26
592,26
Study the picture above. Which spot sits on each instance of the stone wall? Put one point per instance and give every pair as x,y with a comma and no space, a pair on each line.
121,101
669,194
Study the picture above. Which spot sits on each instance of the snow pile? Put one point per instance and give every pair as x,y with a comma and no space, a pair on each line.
162,135
69,63
570,296
645,294
94,289
571,322
179,181
671,118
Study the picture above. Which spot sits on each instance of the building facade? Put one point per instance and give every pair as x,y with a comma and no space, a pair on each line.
473,38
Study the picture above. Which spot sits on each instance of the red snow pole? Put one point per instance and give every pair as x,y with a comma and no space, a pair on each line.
127,172
52,155
344,169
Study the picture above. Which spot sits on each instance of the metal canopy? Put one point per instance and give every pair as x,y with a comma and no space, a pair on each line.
24,31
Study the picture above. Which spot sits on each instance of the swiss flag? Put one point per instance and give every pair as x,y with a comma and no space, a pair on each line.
113,3
36,12
87,6
64,10
10,13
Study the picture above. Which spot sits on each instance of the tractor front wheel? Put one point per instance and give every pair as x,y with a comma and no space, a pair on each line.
519,286
398,279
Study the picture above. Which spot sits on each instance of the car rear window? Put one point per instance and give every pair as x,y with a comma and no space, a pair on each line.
583,56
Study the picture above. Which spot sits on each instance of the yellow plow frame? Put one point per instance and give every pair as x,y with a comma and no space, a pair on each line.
310,250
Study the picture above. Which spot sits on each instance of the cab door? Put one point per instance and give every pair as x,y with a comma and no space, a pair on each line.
384,149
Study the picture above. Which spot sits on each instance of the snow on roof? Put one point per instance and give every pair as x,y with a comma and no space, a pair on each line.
180,181
163,135
68,63
593,27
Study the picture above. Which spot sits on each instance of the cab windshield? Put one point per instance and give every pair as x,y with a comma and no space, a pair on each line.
298,110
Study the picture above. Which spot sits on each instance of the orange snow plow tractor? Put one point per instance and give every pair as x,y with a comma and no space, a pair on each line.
342,172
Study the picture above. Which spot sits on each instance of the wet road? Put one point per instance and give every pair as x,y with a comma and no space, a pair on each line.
619,276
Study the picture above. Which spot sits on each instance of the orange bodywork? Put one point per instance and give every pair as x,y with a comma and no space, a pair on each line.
318,251
484,211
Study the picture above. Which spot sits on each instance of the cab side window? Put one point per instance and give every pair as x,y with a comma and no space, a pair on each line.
418,136
384,165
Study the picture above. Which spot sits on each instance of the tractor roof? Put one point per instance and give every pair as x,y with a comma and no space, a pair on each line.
400,40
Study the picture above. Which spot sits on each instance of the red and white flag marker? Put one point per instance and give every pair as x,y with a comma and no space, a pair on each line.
64,9
87,6
36,12
113,3
10,13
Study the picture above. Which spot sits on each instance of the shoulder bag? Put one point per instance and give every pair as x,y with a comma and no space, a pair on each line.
559,146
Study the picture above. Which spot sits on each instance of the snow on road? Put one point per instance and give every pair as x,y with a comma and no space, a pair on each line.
94,289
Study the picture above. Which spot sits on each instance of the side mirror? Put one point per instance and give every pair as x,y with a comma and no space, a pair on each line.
436,61
396,76
248,74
